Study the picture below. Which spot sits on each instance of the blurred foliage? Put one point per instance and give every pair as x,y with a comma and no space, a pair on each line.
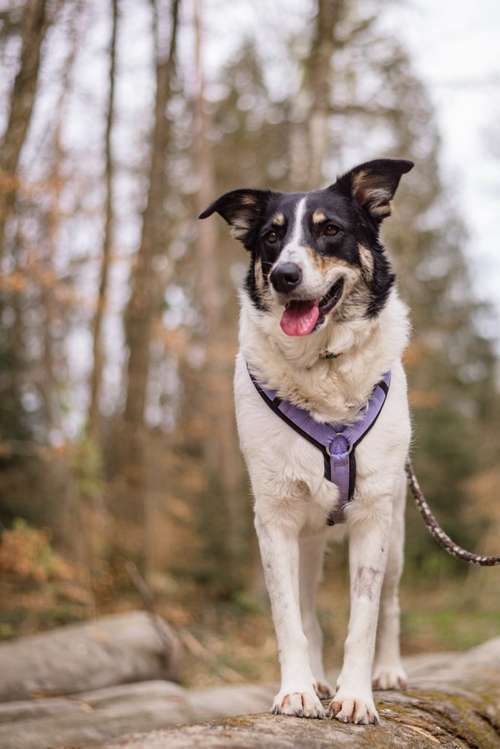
26,553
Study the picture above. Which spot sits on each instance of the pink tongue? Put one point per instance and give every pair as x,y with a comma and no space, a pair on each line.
299,318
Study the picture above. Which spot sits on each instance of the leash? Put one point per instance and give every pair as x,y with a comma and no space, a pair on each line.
437,532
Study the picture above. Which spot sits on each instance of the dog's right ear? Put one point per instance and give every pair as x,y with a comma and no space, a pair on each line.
372,185
242,209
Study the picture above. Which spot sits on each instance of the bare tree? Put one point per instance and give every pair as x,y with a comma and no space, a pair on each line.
22,101
139,313
220,445
310,136
142,303
51,318
107,239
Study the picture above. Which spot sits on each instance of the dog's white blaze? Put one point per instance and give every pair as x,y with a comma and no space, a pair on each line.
314,283
293,251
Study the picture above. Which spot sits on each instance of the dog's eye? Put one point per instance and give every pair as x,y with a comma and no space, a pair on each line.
271,237
331,229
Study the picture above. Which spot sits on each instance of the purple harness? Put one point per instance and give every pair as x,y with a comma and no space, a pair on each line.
337,442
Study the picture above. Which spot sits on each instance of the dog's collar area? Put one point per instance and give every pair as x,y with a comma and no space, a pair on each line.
336,442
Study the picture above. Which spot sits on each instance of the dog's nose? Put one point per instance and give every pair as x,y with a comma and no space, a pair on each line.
286,277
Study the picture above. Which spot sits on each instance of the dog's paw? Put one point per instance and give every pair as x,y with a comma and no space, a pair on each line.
390,676
350,708
323,689
303,704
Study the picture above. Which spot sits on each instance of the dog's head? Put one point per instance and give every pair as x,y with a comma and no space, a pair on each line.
316,255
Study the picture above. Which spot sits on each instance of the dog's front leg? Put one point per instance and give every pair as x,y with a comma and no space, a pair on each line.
312,550
368,544
279,548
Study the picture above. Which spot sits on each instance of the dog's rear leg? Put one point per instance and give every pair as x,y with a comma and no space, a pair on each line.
312,550
388,671
279,548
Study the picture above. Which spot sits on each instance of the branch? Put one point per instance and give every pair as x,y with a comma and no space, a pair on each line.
347,110
165,635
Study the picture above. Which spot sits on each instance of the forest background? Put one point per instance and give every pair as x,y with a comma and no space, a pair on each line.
120,121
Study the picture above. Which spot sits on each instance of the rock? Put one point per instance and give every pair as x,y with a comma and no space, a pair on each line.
111,650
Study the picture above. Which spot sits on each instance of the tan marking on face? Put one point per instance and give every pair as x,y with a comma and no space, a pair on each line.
324,263
278,219
260,283
318,217
366,260
259,276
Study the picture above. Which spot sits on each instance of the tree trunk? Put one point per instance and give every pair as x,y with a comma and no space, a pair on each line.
115,649
141,306
51,358
22,102
22,98
220,514
107,239
310,135
77,520
139,313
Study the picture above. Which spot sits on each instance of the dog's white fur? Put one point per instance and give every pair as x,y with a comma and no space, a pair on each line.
292,497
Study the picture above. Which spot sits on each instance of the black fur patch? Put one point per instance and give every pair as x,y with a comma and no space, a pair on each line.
251,286
381,283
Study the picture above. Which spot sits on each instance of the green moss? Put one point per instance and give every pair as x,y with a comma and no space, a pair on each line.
239,721
460,716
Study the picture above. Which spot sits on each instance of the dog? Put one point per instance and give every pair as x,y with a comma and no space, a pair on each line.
321,324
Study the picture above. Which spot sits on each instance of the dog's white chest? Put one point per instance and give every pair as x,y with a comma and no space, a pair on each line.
287,472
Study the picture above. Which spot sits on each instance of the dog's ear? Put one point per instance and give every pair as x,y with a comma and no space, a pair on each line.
372,185
242,209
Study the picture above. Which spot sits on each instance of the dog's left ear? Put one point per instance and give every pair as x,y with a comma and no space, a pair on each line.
372,185
242,209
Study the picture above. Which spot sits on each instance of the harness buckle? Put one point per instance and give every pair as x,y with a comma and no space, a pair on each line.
339,446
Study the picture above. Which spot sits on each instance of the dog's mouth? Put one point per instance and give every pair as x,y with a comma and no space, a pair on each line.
303,316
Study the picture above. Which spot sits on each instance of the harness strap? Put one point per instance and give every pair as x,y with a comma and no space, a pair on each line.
336,442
